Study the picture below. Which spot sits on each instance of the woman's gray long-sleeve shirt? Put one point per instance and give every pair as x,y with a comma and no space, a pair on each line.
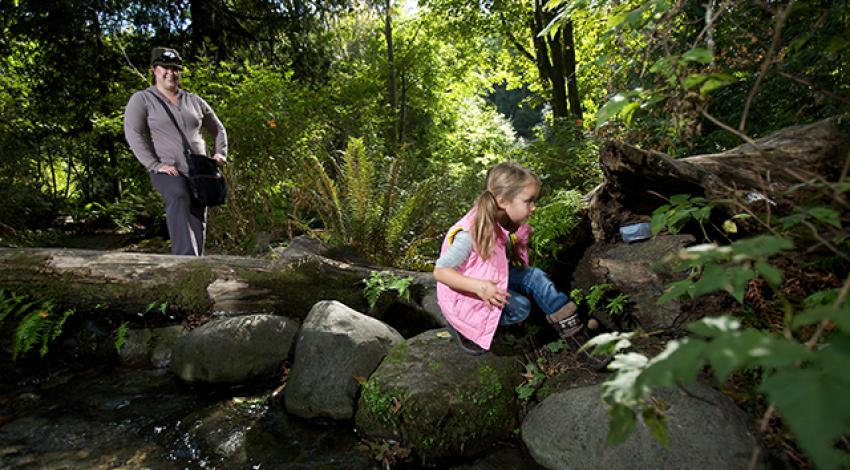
153,137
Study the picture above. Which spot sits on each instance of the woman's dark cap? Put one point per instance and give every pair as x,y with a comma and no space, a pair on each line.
166,57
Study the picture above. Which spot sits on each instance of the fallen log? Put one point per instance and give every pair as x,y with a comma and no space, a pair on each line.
126,284
637,181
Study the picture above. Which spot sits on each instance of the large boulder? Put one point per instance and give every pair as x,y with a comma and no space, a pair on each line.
335,346
633,269
447,404
234,350
568,430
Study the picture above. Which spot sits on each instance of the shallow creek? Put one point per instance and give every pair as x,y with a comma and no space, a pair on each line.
104,416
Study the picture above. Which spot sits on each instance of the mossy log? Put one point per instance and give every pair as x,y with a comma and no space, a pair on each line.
636,180
127,284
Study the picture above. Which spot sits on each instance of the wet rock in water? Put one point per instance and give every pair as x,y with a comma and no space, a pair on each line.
335,345
247,433
234,350
150,347
99,418
447,404
569,429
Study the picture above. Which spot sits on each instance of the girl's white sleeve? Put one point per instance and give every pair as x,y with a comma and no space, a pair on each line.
458,251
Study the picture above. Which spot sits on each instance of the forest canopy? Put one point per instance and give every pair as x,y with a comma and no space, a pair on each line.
419,97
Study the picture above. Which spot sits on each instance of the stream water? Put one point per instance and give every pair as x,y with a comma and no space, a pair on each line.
62,416
84,415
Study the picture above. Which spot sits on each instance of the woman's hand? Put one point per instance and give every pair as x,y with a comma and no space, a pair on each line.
219,159
168,169
489,292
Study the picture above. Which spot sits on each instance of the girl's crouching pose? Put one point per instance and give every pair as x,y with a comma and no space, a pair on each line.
483,277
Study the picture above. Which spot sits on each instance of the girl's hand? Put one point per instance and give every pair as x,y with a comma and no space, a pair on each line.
489,292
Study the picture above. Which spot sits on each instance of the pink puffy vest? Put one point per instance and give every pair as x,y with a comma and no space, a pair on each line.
469,315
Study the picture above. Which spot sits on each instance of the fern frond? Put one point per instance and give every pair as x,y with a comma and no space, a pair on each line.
359,186
322,193
30,331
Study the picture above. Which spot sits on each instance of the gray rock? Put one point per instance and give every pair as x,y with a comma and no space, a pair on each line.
447,404
335,346
629,268
234,350
151,346
568,431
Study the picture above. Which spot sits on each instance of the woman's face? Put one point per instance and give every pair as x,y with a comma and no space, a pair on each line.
166,75
522,206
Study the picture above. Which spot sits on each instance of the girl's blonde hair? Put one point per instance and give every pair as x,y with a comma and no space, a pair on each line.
504,180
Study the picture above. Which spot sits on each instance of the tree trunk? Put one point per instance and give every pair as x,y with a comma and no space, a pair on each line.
124,285
570,70
392,88
549,56
634,178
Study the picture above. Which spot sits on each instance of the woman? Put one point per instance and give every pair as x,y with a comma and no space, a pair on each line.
157,144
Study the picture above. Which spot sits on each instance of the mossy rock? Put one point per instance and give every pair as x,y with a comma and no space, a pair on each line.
445,403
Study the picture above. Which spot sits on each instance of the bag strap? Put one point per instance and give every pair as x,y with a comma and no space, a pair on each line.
187,150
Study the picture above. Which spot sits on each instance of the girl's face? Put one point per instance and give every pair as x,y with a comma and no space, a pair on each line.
522,206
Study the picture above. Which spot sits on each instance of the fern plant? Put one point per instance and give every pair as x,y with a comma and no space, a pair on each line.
556,217
38,322
364,204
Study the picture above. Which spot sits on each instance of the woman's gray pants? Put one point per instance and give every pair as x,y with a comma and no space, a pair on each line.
186,221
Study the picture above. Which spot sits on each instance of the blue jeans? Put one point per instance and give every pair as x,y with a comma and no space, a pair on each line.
528,282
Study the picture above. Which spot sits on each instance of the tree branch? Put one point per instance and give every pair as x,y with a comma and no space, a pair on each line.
813,86
768,60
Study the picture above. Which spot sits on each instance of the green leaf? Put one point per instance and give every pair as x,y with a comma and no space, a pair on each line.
826,215
621,423
702,213
753,348
695,79
740,278
121,335
698,54
770,273
814,405
729,352
676,290
616,105
840,316
715,82
714,277
657,424
680,362
761,246
679,199
659,220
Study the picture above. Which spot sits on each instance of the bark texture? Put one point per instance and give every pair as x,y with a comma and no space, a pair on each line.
126,284
635,178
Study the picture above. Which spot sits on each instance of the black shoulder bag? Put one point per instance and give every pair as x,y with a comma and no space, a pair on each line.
206,183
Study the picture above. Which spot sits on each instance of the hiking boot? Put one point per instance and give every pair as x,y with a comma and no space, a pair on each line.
566,320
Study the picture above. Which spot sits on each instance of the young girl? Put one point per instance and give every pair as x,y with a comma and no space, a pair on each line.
483,277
